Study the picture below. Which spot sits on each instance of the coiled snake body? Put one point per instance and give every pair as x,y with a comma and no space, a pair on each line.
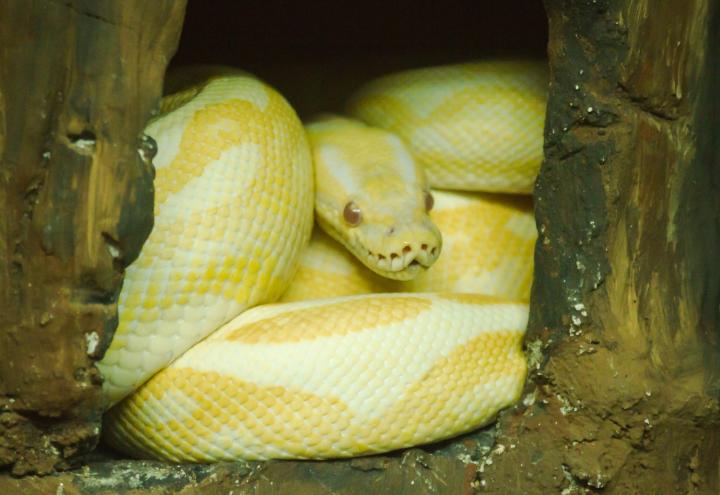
341,376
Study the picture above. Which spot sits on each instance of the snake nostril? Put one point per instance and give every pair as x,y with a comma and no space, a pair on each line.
424,247
394,256
381,256
407,249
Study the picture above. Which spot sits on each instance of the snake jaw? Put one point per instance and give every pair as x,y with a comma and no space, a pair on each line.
404,255
411,259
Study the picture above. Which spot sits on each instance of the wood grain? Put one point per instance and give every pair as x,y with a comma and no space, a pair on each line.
78,81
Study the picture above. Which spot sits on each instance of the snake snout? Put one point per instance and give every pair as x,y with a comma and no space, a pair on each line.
427,254
409,254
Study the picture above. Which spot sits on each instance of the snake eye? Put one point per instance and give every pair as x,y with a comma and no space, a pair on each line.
429,201
352,214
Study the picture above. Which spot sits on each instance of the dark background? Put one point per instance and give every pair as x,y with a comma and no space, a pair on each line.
315,53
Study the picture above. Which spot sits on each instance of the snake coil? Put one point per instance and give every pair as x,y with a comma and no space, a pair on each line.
204,368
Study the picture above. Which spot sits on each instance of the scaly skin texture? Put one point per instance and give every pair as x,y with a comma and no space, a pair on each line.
488,243
233,209
333,378
373,169
473,127
314,379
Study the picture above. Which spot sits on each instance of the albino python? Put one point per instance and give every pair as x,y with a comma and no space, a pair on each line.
204,367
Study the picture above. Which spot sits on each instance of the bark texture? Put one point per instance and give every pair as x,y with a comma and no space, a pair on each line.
623,337
78,81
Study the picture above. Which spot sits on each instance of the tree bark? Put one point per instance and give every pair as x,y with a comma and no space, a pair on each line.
623,337
78,81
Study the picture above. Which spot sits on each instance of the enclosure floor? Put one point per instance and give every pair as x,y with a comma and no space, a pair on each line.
449,468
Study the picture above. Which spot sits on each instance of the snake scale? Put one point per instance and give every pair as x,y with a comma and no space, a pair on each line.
238,340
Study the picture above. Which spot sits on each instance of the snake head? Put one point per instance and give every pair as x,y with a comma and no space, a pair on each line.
373,198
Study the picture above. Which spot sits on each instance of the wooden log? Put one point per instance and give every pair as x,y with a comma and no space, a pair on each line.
78,81
623,337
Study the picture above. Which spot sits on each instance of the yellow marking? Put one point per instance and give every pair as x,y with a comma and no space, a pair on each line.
213,129
471,298
195,271
315,283
473,126
334,319
302,424
267,412
454,380
372,153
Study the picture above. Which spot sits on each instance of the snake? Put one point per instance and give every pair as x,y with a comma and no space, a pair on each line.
212,361
493,234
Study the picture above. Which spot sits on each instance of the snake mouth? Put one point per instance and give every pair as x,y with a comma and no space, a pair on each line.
400,260
405,264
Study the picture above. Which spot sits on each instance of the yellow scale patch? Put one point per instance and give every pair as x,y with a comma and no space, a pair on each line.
307,323
471,126
183,413
233,211
373,151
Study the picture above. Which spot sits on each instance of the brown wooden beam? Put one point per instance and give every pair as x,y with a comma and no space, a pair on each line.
78,81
